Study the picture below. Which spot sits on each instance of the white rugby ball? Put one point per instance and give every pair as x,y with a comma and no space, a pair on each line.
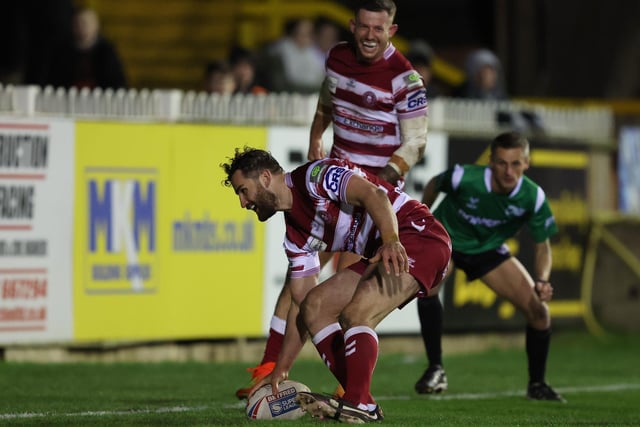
263,405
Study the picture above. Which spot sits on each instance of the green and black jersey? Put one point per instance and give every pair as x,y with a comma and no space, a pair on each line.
480,220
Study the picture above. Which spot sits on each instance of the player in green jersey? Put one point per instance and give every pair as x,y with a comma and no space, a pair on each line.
483,207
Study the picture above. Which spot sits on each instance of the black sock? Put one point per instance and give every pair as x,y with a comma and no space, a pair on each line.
430,313
537,344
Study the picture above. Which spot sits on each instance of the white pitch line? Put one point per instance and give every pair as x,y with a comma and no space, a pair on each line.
447,396
477,396
103,413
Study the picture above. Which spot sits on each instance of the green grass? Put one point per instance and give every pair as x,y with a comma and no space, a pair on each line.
599,378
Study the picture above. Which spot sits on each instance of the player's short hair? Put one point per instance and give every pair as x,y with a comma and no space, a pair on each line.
378,6
510,140
250,161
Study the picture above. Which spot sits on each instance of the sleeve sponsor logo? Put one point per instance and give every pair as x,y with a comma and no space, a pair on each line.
412,80
316,173
332,178
417,100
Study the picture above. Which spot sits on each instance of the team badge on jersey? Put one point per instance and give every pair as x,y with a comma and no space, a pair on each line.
512,210
369,98
472,203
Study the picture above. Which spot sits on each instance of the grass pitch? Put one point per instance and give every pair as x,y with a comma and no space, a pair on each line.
600,378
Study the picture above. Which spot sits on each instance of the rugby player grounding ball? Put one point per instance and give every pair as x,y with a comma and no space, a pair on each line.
263,405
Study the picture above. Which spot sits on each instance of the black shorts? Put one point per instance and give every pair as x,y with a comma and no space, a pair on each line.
477,265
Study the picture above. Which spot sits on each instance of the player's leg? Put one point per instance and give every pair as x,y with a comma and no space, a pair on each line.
346,259
360,312
320,311
377,295
430,313
278,324
511,281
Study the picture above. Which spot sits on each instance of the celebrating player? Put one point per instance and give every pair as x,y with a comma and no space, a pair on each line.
332,205
483,207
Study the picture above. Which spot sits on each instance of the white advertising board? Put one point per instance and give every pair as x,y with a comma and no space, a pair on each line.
289,145
36,216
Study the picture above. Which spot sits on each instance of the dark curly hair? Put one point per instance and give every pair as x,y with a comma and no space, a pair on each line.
251,161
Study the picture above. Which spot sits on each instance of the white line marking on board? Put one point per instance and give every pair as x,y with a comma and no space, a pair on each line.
238,405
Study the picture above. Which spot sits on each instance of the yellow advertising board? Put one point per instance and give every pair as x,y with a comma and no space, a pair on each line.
162,249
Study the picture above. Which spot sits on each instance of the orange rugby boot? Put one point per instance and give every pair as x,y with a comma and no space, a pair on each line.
257,374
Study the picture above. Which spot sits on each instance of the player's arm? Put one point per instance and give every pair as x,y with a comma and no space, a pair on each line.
321,121
413,135
430,192
361,192
295,334
542,267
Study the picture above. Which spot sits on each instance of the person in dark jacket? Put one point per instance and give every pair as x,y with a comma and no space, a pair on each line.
92,61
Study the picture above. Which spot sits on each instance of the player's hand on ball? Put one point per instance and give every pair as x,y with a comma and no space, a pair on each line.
276,377
264,381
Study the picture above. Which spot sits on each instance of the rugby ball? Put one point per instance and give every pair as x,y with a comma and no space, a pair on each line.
263,405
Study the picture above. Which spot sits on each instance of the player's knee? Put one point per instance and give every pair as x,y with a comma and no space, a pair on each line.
538,313
309,309
348,318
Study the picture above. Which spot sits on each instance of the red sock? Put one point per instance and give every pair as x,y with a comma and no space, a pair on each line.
274,341
329,342
361,350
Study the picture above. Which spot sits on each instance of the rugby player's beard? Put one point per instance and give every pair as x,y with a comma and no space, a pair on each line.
265,204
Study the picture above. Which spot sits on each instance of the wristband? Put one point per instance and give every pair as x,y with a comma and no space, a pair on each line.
541,281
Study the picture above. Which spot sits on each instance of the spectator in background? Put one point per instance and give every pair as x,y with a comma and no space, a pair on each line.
485,79
243,69
218,78
326,34
293,62
91,61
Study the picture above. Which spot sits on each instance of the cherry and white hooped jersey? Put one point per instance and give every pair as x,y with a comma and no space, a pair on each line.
368,102
321,220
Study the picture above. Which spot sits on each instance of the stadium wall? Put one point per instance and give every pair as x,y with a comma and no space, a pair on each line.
118,230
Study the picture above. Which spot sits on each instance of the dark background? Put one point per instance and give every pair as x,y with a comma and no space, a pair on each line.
548,48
